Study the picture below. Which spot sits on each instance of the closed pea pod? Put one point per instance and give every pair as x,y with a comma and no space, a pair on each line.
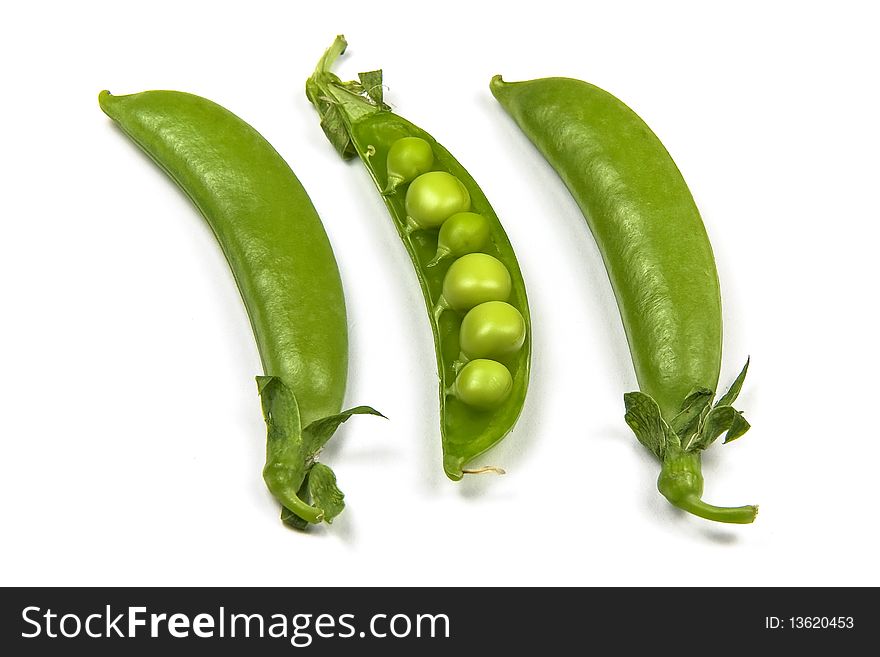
661,267
286,273
460,252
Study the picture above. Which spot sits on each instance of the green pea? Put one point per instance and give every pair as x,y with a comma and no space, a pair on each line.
408,158
483,384
433,197
494,329
462,233
474,279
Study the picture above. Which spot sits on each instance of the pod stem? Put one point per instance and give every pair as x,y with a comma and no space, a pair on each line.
393,183
410,226
681,482
442,253
442,305
342,104
738,515
325,64
305,511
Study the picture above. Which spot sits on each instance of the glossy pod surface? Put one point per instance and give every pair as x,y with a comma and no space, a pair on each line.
288,278
283,264
360,124
645,223
661,267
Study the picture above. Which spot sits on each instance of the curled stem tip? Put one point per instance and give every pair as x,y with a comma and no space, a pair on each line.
497,84
305,511
486,468
293,502
681,482
332,53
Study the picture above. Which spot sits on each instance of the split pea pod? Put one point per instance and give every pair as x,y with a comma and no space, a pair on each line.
660,264
465,264
286,273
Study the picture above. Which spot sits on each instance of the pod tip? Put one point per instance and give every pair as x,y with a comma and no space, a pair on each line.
497,84
103,97
452,467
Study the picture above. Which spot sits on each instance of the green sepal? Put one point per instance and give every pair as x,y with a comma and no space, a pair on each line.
291,454
316,435
281,413
721,419
696,426
286,459
271,390
693,410
695,396
733,392
371,85
320,489
323,491
644,418
737,428
292,520
334,128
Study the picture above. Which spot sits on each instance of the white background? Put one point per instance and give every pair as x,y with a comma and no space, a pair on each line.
131,440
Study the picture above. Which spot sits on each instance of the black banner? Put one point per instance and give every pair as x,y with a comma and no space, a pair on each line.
277,621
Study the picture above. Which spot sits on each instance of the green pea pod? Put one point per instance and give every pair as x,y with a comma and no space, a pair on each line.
661,267
423,185
283,264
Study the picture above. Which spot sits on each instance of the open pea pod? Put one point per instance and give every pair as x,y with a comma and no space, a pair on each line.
469,275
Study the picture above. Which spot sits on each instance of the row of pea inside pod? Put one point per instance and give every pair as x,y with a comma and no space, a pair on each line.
476,284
